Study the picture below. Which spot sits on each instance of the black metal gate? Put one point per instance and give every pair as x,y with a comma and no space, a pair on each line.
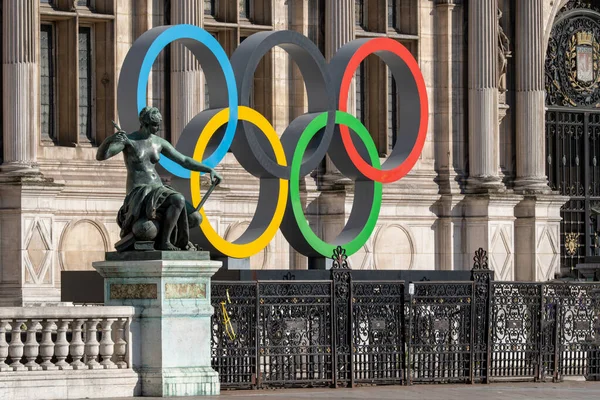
346,332
308,333
573,147
572,74
378,332
441,336
575,313
516,316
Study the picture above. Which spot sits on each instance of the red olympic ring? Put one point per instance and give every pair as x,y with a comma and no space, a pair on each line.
392,46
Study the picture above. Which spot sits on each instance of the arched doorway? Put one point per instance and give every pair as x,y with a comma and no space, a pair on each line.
573,126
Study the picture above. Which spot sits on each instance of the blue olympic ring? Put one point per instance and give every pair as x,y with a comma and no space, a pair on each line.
186,31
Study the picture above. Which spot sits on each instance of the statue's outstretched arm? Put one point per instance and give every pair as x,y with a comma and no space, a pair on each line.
111,146
186,162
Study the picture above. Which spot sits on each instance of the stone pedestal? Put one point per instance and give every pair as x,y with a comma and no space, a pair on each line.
490,224
28,245
537,233
171,329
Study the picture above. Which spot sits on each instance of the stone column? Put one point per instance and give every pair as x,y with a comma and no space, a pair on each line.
340,19
530,96
187,83
449,156
483,96
340,30
449,149
20,58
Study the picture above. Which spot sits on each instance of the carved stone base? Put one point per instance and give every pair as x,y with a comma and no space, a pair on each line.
171,329
537,237
492,184
532,185
175,382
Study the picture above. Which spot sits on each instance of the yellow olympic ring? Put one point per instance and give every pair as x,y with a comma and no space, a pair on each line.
241,250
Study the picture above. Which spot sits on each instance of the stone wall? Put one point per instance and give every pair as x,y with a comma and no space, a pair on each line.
426,220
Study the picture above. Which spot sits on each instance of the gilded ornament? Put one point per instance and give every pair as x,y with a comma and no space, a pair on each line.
571,243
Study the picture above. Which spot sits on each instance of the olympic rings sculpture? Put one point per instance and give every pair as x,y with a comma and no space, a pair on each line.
280,162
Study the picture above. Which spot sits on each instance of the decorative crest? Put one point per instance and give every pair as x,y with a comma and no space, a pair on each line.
480,260
585,38
571,243
575,4
339,258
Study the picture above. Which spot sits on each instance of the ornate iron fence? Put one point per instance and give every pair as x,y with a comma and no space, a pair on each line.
346,332
308,333
441,332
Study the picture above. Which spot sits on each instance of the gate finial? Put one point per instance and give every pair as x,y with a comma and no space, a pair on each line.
480,260
340,259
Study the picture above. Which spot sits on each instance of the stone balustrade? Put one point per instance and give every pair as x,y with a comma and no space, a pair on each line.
64,338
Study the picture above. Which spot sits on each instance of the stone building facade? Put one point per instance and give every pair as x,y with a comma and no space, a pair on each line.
482,179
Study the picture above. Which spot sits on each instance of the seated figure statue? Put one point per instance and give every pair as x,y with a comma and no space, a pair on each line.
151,210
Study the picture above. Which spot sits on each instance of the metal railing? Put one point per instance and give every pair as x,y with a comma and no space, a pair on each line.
347,332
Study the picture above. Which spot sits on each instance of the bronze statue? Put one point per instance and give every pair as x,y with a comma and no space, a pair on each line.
151,210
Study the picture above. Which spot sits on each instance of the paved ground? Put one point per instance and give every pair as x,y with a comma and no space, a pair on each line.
496,391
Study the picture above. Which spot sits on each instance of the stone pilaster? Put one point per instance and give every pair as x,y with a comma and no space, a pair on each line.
20,58
449,156
483,96
530,96
449,151
187,83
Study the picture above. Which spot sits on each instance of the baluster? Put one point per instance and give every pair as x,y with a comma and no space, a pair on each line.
61,347
120,343
107,346
77,346
47,346
15,347
32,347
92,346
3,347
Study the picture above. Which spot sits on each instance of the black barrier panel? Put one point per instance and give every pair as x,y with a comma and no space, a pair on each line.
82,287
516,330
293,333
347,331
441,338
